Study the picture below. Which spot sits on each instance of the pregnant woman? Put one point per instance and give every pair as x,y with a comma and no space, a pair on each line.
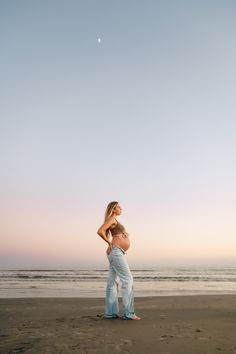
117,246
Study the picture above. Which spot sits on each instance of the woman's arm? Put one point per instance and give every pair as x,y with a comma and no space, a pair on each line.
102,230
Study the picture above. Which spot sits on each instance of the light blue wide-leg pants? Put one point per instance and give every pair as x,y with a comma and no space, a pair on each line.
119,267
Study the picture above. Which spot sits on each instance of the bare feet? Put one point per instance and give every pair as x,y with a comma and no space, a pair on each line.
135,318
113,317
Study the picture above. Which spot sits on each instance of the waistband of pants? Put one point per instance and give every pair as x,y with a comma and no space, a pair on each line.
119,248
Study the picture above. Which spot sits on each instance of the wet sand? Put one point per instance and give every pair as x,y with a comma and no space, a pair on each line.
202,324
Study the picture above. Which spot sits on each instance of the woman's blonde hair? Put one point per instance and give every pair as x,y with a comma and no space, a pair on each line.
109,210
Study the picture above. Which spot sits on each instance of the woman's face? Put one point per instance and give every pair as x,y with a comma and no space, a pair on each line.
117,209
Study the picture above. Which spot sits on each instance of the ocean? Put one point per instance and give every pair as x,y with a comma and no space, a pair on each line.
51,282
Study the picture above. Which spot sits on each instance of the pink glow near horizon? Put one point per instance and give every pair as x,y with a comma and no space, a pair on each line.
187,236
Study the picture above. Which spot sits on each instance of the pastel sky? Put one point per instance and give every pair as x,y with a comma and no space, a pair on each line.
146,117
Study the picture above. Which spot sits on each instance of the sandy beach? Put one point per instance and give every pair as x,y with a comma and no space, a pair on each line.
201,324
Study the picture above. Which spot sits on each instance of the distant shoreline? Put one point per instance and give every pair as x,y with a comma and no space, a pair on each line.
92,283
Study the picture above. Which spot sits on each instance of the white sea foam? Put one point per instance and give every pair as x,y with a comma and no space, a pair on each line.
91,283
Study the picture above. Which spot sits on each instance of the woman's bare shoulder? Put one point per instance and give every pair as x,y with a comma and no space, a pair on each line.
109,221
112,221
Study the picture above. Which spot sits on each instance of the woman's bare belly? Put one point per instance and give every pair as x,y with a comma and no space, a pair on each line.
121,240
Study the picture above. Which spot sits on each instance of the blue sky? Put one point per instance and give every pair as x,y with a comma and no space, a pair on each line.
145,117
